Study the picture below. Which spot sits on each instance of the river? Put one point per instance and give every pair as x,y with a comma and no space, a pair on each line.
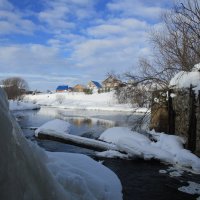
141,180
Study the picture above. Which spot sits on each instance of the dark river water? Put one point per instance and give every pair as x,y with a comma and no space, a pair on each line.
141,180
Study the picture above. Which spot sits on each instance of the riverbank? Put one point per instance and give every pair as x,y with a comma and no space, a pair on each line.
78,100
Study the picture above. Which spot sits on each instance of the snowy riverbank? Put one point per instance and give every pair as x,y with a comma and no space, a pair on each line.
19,105
72,100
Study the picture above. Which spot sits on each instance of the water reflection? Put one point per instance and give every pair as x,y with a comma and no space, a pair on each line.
90,122
85,123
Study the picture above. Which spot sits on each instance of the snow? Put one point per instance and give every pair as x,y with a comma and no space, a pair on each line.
113,135
94,181
184,79
78,100
192,188
167,148
111,154
29,172
60,126
49,128
176,174
196,67
162,171
173,171
19,105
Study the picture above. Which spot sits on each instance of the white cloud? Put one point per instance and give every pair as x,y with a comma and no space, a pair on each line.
13,21
118,27
30,57
58,13
117,44
82,42
55,17
5,4
145,8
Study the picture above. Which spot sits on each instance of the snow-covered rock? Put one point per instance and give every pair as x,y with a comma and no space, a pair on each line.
55,125
94,180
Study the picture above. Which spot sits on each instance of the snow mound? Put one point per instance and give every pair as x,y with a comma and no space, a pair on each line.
55,125
113,135
196,67
167,148
19,105
185,79
94,180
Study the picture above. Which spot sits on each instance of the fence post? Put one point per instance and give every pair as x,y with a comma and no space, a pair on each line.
171,114
192,121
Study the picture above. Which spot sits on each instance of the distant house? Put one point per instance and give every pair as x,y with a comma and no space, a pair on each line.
79,88
94,85
70,89
62,88
111,82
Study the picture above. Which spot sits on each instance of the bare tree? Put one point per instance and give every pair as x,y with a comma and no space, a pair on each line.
15,87
175,47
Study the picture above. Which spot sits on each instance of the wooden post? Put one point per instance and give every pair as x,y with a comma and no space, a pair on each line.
171,114
192,121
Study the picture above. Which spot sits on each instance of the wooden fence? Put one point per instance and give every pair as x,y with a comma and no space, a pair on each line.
188,109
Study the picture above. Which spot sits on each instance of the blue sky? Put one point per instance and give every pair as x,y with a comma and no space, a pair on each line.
53,42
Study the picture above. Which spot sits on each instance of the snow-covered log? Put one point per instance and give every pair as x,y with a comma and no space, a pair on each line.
77,140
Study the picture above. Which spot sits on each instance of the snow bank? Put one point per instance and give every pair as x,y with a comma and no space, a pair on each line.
19,105
57,125
77,100
23,172
28,172
167,148
95,181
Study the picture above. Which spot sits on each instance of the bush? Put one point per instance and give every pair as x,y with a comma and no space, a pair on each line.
88,91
